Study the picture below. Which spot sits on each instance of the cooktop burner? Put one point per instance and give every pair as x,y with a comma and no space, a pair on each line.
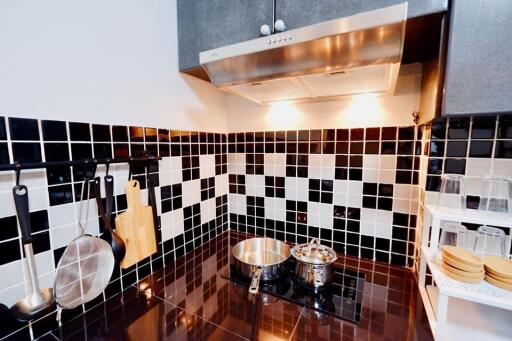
342,298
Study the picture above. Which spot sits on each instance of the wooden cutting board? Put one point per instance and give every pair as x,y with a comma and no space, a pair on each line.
135,226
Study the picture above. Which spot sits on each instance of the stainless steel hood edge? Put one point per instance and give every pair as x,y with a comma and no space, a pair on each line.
304,55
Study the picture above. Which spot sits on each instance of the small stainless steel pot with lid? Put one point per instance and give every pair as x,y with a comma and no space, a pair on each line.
260,258
314,263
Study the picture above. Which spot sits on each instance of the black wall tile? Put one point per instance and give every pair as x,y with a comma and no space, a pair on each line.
4,153
483,128
56,151
24,129
26,152
480,149
79,131
505,127
503,149
54,130
101,133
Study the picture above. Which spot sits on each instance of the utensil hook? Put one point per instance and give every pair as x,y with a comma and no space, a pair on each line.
18,173
130,165
87,183
107,165
148,163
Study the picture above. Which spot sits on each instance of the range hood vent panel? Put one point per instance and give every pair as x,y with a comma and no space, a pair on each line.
297,60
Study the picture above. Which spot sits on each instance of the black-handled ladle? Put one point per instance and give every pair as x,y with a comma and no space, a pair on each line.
116,242
40,300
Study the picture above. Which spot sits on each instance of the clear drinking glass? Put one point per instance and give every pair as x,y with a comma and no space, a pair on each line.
490,241
453,234
452,192
497,195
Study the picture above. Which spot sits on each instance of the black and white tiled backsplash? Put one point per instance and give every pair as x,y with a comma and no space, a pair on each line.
471,146
354,189
357,190
191,194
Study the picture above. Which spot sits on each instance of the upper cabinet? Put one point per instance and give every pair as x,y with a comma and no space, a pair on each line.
208,24
299,13
478,75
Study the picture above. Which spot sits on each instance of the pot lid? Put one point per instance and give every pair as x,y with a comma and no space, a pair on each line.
314,253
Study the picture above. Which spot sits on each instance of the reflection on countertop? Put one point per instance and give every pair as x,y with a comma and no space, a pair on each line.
190,300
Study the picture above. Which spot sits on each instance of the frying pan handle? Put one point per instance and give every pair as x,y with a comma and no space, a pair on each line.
20,194
255,282
317,277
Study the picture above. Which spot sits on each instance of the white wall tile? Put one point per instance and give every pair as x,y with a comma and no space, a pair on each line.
368,214
384,217
315,160
387,162
63,235
327,173
280,160
61,215
502,167
478,166
371,161
328,161
237,204
370,175
10,274
383,231
340,186
367,228
355,187
354,201
340,199
386,176
206,166
13,294
314,172
402,191
302,194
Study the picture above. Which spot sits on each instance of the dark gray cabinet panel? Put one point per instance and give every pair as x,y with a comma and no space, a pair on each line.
208,24
298,13
478,71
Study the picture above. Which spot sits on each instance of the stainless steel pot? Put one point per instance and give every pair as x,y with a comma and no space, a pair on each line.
314,263
260,259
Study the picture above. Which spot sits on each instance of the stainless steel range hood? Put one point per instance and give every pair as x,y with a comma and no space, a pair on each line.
343,57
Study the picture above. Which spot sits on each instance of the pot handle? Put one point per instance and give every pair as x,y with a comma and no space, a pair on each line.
255,282
317,277
311,243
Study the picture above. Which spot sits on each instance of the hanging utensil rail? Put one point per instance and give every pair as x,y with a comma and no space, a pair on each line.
16,166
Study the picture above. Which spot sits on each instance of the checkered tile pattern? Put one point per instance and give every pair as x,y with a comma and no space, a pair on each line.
355,189
191,189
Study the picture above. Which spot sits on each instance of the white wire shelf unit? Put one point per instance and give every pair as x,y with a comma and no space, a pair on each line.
481,293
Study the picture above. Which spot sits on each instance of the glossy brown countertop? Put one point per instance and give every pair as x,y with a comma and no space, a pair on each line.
189,300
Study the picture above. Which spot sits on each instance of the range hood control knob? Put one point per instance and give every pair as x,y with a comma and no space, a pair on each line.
265,30
279,25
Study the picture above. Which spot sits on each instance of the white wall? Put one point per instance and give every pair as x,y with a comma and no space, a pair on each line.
363,111
99,61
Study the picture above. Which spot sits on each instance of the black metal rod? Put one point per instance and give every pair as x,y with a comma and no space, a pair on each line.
85,162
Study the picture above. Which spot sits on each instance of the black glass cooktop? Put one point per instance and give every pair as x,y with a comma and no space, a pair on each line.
342,298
